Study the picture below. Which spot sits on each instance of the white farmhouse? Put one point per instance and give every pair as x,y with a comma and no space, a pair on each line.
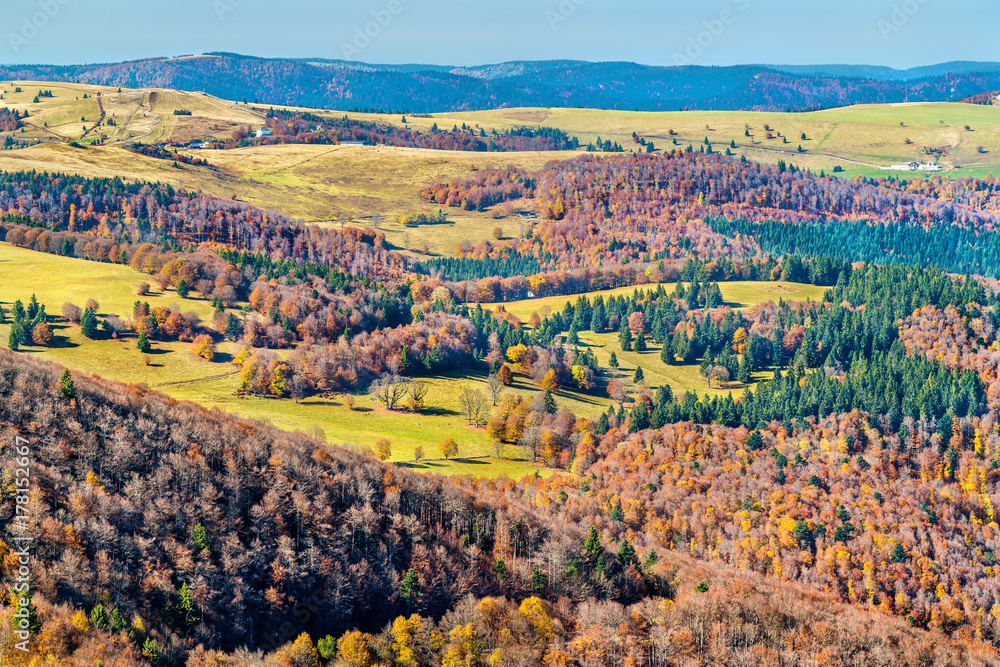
263,132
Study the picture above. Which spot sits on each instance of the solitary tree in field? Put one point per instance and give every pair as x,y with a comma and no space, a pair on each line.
203,347
383,449
448,448
88,323
416,393
143,344
494,387
389,390
505,375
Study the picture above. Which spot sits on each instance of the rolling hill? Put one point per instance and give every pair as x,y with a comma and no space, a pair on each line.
610,85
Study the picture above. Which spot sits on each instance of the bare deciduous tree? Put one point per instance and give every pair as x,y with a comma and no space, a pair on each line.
475,405
494,387
389,390
416,391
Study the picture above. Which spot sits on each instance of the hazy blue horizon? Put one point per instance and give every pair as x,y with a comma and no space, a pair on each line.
892,33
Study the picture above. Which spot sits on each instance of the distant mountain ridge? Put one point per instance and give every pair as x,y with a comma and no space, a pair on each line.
414,88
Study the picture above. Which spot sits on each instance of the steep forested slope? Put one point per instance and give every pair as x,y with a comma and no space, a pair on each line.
182,531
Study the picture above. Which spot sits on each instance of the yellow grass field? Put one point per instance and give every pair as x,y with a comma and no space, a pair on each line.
373,185
860,139
314,183
177,372
145,115
736,294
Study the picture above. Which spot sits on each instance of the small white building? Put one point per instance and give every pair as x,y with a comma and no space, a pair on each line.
263,132
914,166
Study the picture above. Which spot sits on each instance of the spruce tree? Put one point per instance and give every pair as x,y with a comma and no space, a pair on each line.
664,395
14,338
500,569
667,353
88,324
550,402
639,419
613,361
626,554
598,321
638,377
409,589
233,327
143,344
182,289
538,580
66,387
743,374
593,543
624,336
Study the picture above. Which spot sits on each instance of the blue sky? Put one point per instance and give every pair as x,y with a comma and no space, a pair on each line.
898,33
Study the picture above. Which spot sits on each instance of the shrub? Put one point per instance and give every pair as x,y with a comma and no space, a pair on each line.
204,347
383,449
41,334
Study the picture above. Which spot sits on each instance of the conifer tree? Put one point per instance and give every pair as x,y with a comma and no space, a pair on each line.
67,389
88,323
626,554
142,344
409,589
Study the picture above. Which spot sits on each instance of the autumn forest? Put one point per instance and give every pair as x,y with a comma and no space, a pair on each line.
726,411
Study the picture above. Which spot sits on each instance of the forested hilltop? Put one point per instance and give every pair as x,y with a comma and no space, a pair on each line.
609,85
823,492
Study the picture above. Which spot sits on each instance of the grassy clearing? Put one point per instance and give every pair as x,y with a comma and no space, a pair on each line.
177,372
322,183
314,183
680,378
874,135
146,114
55,280
736,294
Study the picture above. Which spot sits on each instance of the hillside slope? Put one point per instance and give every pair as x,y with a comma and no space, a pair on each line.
191,531
338,84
